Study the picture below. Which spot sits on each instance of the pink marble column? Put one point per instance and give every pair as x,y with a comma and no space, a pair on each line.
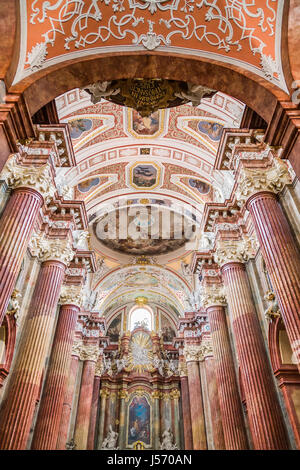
235,436
16,226
67,404
265,417
196,402
22,391
186,413
282,258
84,405
215,413
48,420
94,412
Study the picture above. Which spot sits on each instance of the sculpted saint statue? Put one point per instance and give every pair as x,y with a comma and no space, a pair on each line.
167,442
110,442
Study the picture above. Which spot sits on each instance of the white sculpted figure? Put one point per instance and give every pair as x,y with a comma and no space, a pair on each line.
195,93
159,364
167,442
101,90
110,441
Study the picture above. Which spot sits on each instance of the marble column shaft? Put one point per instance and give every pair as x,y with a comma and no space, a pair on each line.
216,419
235,436
94,413
48,420
265,417
186,411
103,402
67,404
16,226
122,422
176,422
84,405
23,388
196,402
282,258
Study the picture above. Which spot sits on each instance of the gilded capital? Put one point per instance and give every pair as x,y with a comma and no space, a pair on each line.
89,352
182,368
175,394
71,294
156,394
123,394
76,348
213,295
47,249
104,393
235,251
192,352
255,180
35,177
206,349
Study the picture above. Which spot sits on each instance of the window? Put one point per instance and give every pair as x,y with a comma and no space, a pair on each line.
140,316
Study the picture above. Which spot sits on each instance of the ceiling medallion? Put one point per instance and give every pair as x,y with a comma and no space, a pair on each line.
148,95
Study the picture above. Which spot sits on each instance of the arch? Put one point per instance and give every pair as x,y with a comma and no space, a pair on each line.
140,313
9,325
257,93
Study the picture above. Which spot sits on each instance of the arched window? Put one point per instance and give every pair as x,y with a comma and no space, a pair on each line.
141,316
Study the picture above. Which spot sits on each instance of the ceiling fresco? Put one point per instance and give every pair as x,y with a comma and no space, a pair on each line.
130,166
238,32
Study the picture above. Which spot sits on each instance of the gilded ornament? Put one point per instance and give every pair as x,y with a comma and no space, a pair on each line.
89,352
148,95
272,312
14,304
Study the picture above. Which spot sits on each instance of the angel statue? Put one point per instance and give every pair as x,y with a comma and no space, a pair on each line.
110,441
167,442
195,93
194,300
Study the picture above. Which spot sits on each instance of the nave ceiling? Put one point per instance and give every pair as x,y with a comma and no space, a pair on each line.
164,162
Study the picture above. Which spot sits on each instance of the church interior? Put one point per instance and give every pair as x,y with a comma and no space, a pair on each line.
149,225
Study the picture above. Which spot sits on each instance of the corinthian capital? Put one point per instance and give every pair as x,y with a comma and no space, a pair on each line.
76,348
71,294
89,352
35,177
206,349
255,180
192,352
213,295
47,249
235,251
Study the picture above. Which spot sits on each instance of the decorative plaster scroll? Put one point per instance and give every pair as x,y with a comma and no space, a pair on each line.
35,177
240,32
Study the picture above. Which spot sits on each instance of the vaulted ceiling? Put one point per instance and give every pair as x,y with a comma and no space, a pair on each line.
166,161
243,33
